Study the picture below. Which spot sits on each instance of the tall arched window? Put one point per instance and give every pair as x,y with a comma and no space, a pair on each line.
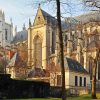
37,52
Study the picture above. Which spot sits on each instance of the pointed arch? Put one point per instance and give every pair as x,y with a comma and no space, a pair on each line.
37,51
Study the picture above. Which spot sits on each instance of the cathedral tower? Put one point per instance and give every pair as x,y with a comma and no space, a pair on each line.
41,39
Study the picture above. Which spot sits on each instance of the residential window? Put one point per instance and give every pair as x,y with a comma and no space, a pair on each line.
76,81
84,81
80,81
6,34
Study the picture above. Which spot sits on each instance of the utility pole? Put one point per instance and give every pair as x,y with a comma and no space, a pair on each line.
61,49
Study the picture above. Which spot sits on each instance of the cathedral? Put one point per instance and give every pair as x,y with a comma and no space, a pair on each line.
39,47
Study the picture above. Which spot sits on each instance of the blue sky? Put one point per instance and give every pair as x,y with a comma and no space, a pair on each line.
21,10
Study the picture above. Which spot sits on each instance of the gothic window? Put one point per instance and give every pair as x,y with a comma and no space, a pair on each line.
6,34
37,52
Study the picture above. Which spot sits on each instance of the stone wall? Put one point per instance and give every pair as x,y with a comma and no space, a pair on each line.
11,89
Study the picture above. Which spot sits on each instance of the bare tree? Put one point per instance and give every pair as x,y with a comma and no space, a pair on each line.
92,4
93,73
61,48
59,4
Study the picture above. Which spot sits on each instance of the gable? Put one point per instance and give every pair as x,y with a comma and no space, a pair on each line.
39,19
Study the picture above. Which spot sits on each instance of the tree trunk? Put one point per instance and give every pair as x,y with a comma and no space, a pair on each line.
61,49
93,85
94,80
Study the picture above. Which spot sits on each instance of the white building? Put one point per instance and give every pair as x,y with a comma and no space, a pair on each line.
6,31
77,78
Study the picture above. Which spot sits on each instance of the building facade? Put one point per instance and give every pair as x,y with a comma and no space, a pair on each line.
6,31
41,39
81,41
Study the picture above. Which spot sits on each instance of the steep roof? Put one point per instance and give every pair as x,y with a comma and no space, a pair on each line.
84,18
48,17
91,16
73,65
16,61
72,22
44,16
20,36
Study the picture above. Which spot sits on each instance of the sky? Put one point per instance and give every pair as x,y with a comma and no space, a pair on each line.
21,10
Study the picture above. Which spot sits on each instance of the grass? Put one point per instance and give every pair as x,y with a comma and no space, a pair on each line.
84,97
41,99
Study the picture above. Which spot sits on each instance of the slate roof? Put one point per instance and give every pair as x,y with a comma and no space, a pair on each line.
16,61
49,17
20,36
91,16
74,66
84,18
69,64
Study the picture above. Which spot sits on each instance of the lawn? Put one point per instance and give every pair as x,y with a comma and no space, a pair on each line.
84,97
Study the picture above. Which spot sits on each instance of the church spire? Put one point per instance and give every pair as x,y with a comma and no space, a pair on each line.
11,21
24,28
30,22
39,5
16,29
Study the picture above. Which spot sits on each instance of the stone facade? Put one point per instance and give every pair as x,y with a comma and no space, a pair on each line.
84,44
81,41
6,31
41,39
